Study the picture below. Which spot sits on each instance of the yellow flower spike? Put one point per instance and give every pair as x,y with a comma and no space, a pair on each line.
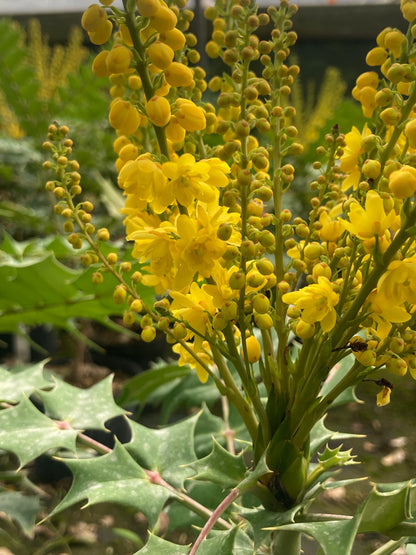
93,17
371,221
102,34
402,182
173,38
124,117
383,397
118,59
179,75
160,54
253,349
163,20
317,302
99,65
147,8
190,116
158,111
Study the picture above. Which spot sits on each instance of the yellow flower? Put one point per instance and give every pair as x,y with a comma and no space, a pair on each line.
186,358
349,159
190,116
179,75
383,396
194,309
317,302
369,222
199,247
124,117
331,229
158,110
192,180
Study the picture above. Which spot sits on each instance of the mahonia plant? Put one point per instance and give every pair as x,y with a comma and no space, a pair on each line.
265,303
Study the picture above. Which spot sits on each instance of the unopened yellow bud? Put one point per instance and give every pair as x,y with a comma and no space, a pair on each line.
102,34
129,318
124,117
390,116
376,56
304,330
402,182
321,269
118,59
179,331
393,41
396,366
408,8
147,8
265,266
120,294
158,111
93,17
263,321
99,65
103,234
148,334
134,82
163,20
160,54
253,349
371,169
173,38
190,116
366,358
137,306
410,132
229,310
174,130
261,303
97,278
179,75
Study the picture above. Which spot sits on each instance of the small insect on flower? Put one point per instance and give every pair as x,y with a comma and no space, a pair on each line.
357,345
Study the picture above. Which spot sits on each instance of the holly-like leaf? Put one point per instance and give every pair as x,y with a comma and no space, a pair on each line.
386,506
117,478
21,508
261,520
219,542
159,546
339,371
82,408
320,435
167,450
207,427
334,536
21,381
220,467
28,433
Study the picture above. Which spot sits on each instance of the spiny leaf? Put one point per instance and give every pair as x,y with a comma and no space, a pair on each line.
220,467
165,451
82,408
334,536
28,433
116,478
21,381
220,542
21,508
260,520
320,435
387,505
159,546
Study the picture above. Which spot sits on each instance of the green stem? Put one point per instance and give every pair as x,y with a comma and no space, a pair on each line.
287,543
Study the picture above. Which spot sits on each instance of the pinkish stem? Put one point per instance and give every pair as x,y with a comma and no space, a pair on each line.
231,497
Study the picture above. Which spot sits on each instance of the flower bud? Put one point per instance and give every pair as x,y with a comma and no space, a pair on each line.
261,303
102,34
376,56
190,116
410,132
371,169
396,366
148,334
253,349
118,59
158,111
304,330
120,294
163,20
402,182
263,321
124,117
179,75
160,54
93,17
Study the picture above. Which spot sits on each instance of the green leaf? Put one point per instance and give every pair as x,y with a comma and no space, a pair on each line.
21,508
21,382
320,435
219,542
261,520
159,546
220,467
339,371
386,506
334,536
138,389
167,450
82,408
117,478
208,427
28,433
